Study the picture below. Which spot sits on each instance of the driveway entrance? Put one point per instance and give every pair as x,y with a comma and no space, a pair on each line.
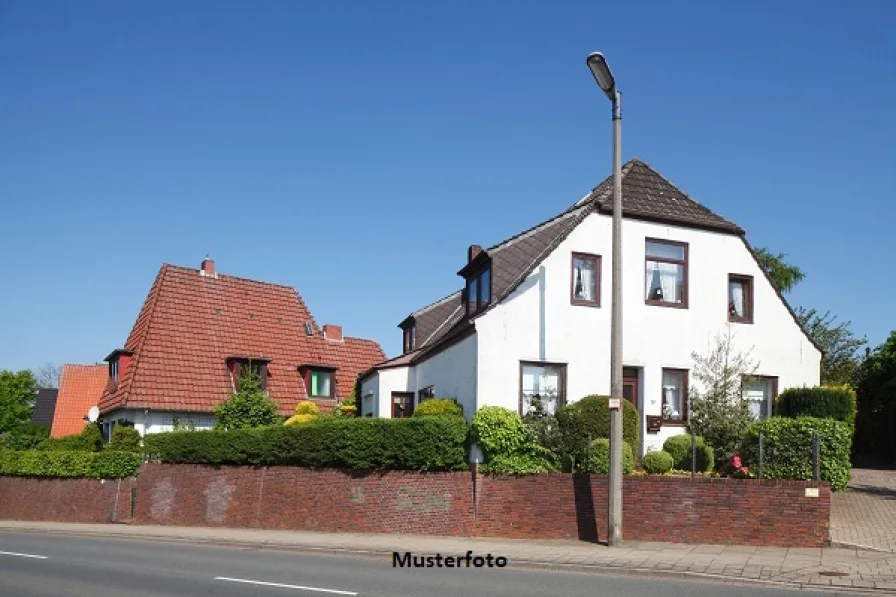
865,514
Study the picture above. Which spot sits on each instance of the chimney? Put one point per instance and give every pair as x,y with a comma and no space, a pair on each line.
208,268
333,332
472,252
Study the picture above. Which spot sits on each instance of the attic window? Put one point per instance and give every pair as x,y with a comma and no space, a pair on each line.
479,290
239,366
322,384
113,370
309,330
409,338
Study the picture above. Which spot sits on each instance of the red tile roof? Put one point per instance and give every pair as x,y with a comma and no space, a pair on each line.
80,388
191,323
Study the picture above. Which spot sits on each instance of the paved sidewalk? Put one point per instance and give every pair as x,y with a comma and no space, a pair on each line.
816,568
865,514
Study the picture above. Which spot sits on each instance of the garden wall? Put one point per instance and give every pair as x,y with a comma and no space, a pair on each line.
555,506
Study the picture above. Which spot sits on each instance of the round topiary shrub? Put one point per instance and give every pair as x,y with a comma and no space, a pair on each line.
497,430
438,407
124,439
657,462
598,460
679,447
588,419
306,411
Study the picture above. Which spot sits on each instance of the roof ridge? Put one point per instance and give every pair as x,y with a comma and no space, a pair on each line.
435,303
232,277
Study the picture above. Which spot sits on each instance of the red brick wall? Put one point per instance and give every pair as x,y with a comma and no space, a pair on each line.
65,500
558,506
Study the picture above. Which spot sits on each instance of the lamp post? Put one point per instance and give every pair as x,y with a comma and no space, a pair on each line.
601,71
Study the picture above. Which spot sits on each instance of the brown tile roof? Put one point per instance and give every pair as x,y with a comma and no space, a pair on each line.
190,324
80,387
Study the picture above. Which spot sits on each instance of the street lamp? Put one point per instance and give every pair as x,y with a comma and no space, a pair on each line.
604,77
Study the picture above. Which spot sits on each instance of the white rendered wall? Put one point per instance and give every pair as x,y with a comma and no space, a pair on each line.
160,421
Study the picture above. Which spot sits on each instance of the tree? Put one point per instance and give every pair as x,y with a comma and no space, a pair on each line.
48,376
17,394
783,275
877,373
718,411
248,407
840,359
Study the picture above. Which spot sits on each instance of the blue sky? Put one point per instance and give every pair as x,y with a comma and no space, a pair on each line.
355,149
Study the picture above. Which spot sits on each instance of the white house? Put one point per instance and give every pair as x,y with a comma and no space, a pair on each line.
533,316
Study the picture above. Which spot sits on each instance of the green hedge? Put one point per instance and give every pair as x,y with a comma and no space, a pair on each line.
598,459
124,439
788,449
438,407
589,418
679,447
71,463
436,443
506,445
823,402
658,462
89,440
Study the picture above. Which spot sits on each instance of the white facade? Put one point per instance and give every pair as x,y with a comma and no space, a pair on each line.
537,322
158,421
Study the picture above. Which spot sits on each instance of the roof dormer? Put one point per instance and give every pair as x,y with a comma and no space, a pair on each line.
119,360
477,272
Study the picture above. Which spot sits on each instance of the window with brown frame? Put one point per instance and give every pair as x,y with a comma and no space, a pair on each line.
542,385
675,396
740,298
322,383
666,273
409,338
479,290
240,366
425,394
585,282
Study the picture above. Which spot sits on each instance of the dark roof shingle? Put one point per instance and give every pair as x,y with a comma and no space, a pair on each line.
44,407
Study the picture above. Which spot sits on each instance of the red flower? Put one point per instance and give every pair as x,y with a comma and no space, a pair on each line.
736,461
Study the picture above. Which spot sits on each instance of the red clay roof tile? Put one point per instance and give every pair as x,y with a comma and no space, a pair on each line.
80,387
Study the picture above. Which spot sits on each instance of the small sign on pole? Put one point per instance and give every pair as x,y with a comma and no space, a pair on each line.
615,403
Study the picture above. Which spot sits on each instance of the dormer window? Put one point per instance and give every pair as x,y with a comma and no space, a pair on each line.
320,381
113,370
479,290
239,366
409,338
118,360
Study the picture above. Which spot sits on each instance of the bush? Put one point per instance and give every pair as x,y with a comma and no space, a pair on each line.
24,437
436,443
89,440
657,462
70,463
124,439
438,407
305,412
788,449
589,418
679,447
598,459
248,407
506,445
823,402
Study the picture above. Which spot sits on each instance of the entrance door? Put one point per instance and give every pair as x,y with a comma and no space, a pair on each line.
402,404
630,385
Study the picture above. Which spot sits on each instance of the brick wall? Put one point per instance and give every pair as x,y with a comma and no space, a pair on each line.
65,500
556,506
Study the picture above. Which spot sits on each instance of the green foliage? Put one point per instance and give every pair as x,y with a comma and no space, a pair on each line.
821,402
658,462
124,439
24,437
598,457
438,407
839,358
788,449
89,440
70,463
589,419
17,394
347,408
543,428
877,374
248,407
436,443
783,275
679,447
718,411
506,444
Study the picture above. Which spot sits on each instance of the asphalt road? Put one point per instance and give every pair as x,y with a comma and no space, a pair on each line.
33,565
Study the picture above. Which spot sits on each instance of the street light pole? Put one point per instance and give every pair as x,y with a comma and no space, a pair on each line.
604,77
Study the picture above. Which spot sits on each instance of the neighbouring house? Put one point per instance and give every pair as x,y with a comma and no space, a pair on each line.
44,407
198,330
80,387
533,315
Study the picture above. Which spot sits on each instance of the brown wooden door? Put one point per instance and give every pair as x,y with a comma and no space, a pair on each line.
402,404
630,385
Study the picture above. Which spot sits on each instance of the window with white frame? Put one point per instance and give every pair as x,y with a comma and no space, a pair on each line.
760,393
675,395
542,385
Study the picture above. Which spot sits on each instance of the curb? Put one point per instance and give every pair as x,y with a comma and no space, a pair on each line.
523,564
845,545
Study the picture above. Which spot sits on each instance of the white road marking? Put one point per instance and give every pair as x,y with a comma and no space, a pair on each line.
22,555
276,584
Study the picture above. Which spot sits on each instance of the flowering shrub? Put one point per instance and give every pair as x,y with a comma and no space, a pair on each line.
736,468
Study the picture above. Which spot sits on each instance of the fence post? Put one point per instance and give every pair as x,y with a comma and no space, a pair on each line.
693,454
761,452
816,473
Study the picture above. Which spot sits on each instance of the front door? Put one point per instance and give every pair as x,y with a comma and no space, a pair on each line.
402,404
630,385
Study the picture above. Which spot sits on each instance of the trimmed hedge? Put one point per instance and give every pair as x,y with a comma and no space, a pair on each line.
506,445
354,443
658,462
788,449
89,440
71,463
679,447
124,439
590,418
823,402
438,407
598,460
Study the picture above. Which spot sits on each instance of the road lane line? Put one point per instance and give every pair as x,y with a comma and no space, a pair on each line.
276,584
22,555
